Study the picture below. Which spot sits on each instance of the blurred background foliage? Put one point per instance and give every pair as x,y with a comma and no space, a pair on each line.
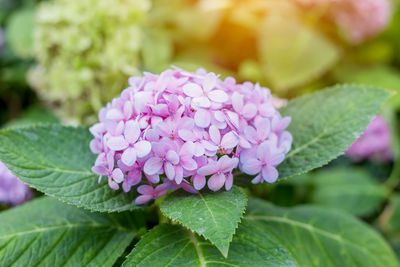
62,60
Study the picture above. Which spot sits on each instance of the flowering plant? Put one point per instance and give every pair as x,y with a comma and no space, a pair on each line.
175,132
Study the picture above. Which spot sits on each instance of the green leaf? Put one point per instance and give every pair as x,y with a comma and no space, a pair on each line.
19,32
350,189
47,232
57,161
321,237
31,116
325,123
293,53
212,215
378,76
272,236
172,245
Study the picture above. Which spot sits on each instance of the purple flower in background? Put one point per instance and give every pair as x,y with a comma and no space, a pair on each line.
1,40
12,190
188,130
374,143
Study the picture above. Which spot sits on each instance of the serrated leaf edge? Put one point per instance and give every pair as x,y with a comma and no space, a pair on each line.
234,232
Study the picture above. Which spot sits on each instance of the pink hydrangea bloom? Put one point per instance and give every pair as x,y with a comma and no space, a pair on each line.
12,190
360,19
374,144
188,130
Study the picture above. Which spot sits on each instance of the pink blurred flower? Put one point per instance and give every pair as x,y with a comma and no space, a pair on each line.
374,143
359,19
185,130
12,190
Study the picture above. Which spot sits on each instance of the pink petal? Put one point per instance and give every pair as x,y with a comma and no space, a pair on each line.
202,118
142,148
251,166
276,159
202,102
160,191
186,135
153,165
251,134
151,135
226,164
172,157
266,110
97,129
132,131
192,90
216,182
117,143
119,129
145,190
96,146
117,175
129,156
187,149
110,160
229,140
269,174
249,111
258,179
210,81
198,150
219,116
282,124
141,101
188,188
100,170
178,174
134,177
199,182
215,135
233,118
159,149
237,102
229,182
218,96
128,109
155,179
126,187
169,170
208,169
113,185
209,146
165,128
263,152
143,199
188,163
114,114
263,127
186,123
244,143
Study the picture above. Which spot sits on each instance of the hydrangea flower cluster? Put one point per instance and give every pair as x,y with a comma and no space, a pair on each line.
188,130
374,143
84,49
12,190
